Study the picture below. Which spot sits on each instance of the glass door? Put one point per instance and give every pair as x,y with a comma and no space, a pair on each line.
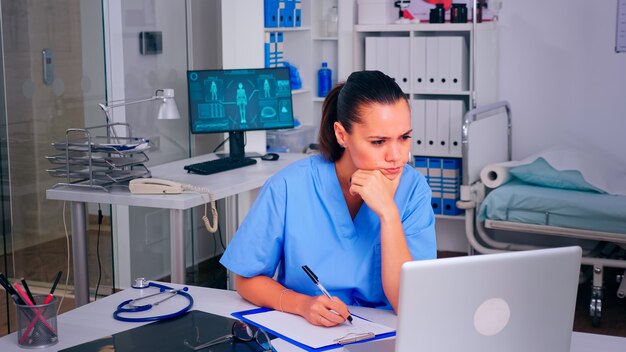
52,78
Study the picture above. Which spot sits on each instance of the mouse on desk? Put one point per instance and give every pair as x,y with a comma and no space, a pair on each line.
270,156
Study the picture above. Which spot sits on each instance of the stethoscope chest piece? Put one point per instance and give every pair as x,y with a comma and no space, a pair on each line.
140,282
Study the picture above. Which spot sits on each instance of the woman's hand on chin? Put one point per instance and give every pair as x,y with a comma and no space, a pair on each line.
375,188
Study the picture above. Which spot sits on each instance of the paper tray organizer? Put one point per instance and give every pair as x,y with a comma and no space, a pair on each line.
91,161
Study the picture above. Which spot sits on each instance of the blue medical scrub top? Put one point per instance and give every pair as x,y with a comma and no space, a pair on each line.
301,218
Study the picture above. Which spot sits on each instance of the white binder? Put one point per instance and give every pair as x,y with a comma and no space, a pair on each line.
457,110
392,60
382,59
393,54
399,48
371,50
418,123
430,148
443,63
443,127
459,64
418,55
431,62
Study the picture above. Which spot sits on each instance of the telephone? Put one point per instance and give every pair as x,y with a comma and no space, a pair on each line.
158,186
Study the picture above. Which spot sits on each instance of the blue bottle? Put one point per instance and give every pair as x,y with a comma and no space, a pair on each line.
324,80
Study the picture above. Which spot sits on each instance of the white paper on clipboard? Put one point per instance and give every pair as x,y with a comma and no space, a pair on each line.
298,329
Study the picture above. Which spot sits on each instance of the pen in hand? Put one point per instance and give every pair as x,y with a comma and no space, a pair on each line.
319,285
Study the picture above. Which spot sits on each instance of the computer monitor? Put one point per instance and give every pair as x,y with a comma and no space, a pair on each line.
239,100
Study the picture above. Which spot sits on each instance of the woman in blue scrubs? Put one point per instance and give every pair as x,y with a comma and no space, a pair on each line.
353,214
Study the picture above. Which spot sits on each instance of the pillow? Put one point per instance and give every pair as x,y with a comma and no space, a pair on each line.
539,172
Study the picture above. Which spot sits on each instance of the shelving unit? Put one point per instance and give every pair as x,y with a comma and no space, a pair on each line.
296,51
438,101
334,49
481,63
306,47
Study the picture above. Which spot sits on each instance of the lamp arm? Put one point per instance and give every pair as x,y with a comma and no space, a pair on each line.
106,107
118,103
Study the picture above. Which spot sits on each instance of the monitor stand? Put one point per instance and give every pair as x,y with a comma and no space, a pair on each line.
234,160
237,147
247,155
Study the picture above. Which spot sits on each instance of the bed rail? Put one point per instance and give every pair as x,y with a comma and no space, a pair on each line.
489,127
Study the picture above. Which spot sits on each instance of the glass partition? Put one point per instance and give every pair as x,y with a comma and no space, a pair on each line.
54,74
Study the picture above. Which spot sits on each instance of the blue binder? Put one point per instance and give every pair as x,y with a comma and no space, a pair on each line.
449,207
290,6
297,16
268,48
270,10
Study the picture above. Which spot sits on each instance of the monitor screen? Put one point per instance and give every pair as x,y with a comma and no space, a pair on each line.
239,100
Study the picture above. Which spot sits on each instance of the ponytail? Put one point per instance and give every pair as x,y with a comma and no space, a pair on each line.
329,148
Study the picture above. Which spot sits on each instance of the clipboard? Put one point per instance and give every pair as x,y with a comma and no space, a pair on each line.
278,323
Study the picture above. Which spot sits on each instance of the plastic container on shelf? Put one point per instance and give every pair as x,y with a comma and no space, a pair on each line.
438,14
324,80
376,12
332,22
295,140
294,76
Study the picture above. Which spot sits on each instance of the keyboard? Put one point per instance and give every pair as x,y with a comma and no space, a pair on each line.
218,165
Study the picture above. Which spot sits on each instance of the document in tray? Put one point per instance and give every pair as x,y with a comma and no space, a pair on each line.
297,330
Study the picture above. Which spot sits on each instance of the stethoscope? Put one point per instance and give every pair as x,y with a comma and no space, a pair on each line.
132,305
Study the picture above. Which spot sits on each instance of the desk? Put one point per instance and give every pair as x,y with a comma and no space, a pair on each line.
223,185
95,320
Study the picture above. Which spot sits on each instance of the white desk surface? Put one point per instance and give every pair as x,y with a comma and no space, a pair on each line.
95,320
223,184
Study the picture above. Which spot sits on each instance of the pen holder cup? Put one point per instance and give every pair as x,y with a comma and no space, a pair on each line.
37,324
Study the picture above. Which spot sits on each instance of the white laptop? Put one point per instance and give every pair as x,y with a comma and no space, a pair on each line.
518,301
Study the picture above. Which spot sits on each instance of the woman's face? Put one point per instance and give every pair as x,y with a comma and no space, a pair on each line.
382,140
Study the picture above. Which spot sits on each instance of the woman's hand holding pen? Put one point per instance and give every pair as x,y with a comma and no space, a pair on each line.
322,311
376,189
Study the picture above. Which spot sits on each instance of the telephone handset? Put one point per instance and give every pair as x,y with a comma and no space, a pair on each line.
158,186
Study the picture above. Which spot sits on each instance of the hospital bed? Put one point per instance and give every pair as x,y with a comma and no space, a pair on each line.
515,209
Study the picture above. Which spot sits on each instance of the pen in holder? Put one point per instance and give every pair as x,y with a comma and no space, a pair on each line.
37,323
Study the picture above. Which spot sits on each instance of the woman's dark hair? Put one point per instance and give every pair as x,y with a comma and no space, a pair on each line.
345,102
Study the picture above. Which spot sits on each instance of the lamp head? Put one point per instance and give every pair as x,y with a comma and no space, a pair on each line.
168,109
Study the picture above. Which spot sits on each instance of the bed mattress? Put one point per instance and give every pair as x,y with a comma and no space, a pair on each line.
525,203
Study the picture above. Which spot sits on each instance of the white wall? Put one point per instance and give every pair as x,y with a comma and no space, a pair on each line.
141,234
141,239
566,85
560,72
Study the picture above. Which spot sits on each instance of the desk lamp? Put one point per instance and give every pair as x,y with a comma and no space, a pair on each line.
167,107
